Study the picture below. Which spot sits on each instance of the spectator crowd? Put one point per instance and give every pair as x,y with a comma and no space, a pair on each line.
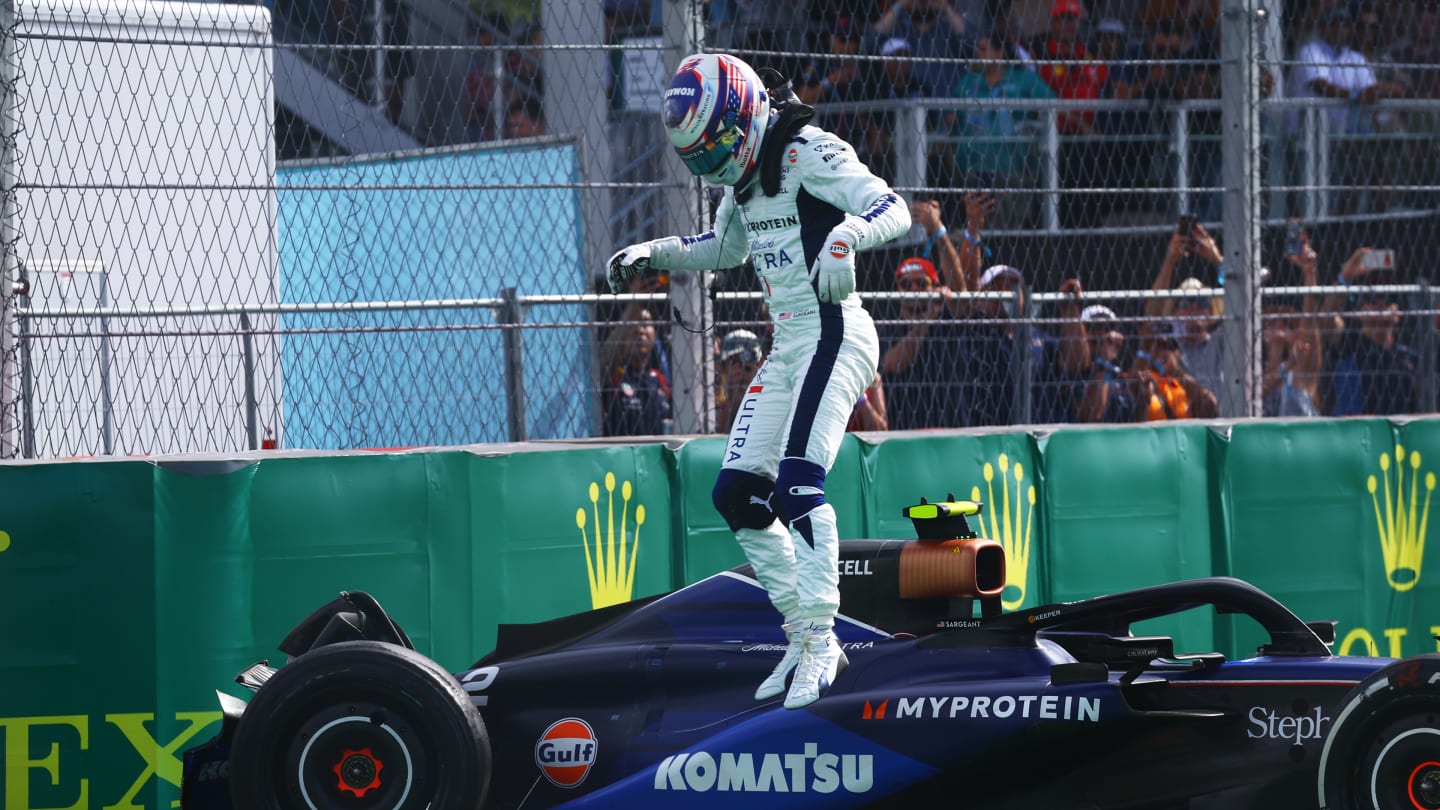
950,359
1159,52
1154,51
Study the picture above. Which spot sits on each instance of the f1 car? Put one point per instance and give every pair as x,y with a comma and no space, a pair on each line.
650,704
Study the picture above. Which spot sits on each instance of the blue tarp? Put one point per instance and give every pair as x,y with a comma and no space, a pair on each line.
411,227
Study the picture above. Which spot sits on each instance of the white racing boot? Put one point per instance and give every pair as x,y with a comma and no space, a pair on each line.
775,684
820,662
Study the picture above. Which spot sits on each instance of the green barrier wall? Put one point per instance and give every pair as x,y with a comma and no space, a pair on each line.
131,589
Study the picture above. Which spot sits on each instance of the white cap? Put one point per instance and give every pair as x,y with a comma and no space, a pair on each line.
999,270
894,45
740,342
1192,284
1097,312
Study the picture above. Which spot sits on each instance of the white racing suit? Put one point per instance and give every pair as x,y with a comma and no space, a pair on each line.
789,426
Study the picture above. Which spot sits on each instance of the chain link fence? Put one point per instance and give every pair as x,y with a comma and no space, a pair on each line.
381,223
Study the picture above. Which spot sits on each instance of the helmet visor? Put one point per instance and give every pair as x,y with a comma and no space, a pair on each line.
709,156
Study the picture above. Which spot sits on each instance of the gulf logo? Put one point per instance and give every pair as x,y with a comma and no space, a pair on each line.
839,250
566,751
793,155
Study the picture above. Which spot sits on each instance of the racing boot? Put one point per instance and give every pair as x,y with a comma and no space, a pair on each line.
820,662
775,684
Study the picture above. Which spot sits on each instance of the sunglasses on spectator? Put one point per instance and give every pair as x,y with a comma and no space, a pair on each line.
913,283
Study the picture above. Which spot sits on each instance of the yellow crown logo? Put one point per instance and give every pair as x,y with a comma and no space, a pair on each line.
1402,538
1012,529
612,575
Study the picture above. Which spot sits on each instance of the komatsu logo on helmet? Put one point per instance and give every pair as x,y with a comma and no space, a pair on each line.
684,98
566,751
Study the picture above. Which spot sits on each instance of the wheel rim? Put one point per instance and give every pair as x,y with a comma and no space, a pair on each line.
1406,773
1425,785
357,756
358,771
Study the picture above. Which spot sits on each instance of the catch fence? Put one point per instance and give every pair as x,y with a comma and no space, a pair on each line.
380,224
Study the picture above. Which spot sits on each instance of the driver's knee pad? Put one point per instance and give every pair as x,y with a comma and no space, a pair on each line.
799,488
743,499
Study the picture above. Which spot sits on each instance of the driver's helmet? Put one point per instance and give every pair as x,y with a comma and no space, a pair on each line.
715,112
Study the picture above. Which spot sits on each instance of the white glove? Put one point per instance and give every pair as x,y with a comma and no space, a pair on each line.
834,271
627,262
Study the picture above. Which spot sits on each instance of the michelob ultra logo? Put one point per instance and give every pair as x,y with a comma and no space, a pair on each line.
611,564
1012,522
1401,521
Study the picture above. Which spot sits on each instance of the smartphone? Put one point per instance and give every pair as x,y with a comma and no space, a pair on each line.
1378,260
1186,226
1294,237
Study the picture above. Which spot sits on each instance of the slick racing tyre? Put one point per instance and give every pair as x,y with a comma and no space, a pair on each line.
361,725
1383,752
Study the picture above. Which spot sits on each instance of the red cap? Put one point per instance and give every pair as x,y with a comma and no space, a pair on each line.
1067,7
915,264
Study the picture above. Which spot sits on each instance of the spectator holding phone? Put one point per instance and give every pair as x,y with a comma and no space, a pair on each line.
979,208
934,30
1374,372
1294,355
1087,363
1193,319
939,247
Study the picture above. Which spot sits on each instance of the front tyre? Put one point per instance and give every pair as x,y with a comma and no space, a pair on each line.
1383,752
361,725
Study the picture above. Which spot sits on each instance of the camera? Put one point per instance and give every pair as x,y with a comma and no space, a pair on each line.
1186,226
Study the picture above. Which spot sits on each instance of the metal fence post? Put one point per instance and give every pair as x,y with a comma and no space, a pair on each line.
910,147
511,315
247,350
692,353
1240,122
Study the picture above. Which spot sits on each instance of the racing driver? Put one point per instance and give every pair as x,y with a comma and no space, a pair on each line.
800,204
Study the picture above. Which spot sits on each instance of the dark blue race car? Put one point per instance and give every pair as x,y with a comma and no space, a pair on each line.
946,702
